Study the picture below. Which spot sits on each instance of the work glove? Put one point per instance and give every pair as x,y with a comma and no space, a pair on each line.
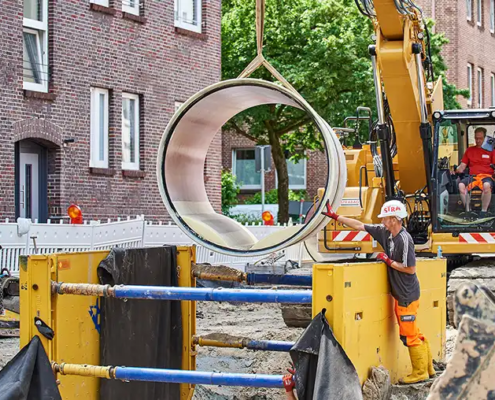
386,259
289,383
329,212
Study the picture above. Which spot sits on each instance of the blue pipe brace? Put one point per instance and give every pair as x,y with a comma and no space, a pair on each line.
197,377
212,294
294,280
269,345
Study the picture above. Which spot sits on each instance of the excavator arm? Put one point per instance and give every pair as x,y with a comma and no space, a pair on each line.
398,56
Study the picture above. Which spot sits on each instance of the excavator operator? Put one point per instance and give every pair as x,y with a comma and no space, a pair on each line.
480,172
400,258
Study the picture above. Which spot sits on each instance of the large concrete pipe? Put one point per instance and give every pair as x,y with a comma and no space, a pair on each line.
181,159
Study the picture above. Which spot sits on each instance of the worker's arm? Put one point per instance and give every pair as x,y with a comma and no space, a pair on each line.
400,267
460,169
351,223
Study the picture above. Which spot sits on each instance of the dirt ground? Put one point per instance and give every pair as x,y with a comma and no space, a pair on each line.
256,321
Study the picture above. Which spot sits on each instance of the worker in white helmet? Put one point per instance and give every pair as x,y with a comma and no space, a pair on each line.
400,258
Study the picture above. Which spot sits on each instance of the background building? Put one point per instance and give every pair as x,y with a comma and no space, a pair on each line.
87,89
470,54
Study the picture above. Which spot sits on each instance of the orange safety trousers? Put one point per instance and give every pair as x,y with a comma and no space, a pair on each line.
408,327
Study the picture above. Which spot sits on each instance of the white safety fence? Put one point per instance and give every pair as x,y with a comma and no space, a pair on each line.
48,238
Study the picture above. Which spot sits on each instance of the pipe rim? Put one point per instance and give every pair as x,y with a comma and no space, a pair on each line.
336,169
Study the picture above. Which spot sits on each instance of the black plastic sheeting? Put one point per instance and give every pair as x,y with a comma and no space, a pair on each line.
323,370
140,333
29,375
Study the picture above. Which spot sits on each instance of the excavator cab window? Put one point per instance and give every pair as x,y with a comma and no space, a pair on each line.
463,202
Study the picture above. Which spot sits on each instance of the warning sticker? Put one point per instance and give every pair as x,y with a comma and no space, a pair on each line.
350,203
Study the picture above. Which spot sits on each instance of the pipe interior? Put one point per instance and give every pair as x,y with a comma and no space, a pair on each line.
189,139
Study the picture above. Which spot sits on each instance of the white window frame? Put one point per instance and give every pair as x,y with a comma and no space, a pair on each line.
104,3
492,90
480,87
470,83
234,162
178,104
479,12
184,24
132,166
94,161
296,187
469,10
126,7
41,29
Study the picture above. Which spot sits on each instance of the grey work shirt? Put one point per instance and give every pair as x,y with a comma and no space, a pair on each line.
405,287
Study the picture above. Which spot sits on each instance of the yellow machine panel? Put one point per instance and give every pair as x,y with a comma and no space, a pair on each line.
360,311
75,319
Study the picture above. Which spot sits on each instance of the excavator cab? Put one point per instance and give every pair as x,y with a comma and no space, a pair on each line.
454,133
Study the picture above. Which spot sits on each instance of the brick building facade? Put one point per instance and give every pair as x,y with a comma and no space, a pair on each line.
87,89
470,54
308,175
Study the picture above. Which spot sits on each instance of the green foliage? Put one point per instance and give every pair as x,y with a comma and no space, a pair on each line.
230,191
271,197
319,46
247,219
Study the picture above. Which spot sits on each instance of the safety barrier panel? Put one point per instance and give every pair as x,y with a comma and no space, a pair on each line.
50,238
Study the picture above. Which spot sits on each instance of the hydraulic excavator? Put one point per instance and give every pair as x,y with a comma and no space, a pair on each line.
412,153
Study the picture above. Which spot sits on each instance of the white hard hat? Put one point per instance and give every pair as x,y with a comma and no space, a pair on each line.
393,208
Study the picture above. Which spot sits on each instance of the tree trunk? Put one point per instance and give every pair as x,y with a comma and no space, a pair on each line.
282,177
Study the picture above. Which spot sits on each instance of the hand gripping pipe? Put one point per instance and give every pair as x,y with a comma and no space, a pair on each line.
184,293
170,375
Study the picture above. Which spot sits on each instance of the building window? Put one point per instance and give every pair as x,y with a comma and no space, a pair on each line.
103,3
178,104
470,83
492,90
492,16
35,37
131,6
244,168
130,131
297,174
479,12
99,128
480,88
188,14
469,9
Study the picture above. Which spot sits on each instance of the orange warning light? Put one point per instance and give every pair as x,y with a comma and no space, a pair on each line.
267,218
75,214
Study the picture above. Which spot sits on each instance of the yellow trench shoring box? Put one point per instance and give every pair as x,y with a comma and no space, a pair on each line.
360,311
356,297
75,318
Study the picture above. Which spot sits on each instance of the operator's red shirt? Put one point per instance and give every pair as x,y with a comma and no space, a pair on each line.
478,160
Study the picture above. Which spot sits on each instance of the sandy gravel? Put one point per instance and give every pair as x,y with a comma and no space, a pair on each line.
256,321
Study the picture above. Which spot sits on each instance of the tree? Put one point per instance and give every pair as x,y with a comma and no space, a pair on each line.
321,48
230,191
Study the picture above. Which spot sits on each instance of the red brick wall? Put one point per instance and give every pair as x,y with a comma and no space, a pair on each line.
91,48
316,165
469,43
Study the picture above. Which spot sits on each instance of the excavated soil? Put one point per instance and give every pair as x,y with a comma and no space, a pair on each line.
256,321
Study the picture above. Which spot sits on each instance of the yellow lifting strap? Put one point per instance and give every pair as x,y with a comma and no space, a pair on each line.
260,60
